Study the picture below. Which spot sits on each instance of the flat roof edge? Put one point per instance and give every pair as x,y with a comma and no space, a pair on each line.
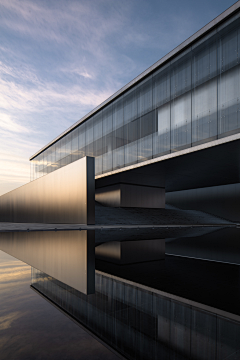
213,23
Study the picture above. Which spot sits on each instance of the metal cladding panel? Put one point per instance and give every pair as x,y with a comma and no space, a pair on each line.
68,256
90,187
63,196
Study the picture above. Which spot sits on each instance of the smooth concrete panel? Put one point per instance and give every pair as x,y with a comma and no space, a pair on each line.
68,256
222,200
63,196
129,252
129,195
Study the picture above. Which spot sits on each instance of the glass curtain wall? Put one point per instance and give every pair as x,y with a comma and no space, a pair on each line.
192,99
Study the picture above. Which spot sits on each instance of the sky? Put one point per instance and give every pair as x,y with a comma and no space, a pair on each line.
60,59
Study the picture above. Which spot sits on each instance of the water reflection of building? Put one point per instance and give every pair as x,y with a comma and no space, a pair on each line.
143,323
174,128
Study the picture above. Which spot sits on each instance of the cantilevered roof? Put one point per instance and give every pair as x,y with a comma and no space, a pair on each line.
187,43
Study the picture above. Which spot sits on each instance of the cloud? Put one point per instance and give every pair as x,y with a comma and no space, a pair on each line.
43,97
7,123
81,71
84,74
55,21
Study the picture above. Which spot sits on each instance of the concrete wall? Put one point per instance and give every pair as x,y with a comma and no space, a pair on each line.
223,201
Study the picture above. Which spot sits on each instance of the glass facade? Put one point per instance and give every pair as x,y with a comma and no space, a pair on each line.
192,99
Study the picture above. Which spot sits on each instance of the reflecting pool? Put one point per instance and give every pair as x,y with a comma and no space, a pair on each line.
185,306
31,328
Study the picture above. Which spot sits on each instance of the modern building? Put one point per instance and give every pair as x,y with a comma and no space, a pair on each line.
151,283
175,128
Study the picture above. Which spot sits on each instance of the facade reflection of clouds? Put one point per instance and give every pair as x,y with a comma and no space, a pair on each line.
7,320
12,270
11,265
14,273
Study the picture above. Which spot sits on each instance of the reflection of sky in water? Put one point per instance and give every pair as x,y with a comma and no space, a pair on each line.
31,328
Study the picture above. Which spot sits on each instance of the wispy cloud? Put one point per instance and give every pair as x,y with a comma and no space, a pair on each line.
81,71
7,123
85,74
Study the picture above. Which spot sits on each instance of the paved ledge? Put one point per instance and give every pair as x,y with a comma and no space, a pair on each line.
12,227
123,224
106,233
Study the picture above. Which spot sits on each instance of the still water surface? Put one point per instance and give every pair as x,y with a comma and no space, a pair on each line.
144,324
178,308
31,328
